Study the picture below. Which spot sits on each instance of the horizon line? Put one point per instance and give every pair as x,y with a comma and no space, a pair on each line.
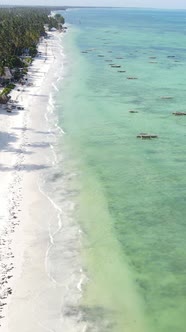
110,7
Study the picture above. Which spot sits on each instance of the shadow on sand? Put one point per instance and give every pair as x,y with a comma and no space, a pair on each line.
24,167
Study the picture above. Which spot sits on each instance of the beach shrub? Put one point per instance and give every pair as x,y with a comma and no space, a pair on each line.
7,89
15,61
27,61
17,74
24,71
33,51
11,86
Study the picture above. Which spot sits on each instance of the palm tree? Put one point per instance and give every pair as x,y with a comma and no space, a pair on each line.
20,29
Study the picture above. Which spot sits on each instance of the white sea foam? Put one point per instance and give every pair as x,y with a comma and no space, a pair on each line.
60,129
82,281
62,258
51,234
55,87
54,230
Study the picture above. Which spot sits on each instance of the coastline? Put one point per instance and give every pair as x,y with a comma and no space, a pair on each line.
32,219
133,283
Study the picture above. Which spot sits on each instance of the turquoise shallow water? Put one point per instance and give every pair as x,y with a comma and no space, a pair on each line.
132,192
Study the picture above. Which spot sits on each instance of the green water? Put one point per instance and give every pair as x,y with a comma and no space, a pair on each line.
132,207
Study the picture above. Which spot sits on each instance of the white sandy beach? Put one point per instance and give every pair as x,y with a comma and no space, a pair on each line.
30,298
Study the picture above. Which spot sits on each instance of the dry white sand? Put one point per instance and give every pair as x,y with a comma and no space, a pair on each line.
30,300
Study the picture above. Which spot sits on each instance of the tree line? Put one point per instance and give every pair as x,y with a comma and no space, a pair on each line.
20,31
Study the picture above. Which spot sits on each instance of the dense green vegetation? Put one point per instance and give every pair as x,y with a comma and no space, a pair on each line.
57,21
7,89
20,31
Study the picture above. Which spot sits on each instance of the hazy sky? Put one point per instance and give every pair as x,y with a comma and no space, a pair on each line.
123,3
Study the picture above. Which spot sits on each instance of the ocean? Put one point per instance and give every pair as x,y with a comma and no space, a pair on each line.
123,75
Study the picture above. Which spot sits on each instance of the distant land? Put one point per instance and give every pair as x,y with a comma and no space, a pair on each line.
59,7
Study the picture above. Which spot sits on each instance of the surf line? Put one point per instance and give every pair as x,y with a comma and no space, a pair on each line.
51,235
55,87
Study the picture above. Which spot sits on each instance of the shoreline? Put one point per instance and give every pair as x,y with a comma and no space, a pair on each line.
33,219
